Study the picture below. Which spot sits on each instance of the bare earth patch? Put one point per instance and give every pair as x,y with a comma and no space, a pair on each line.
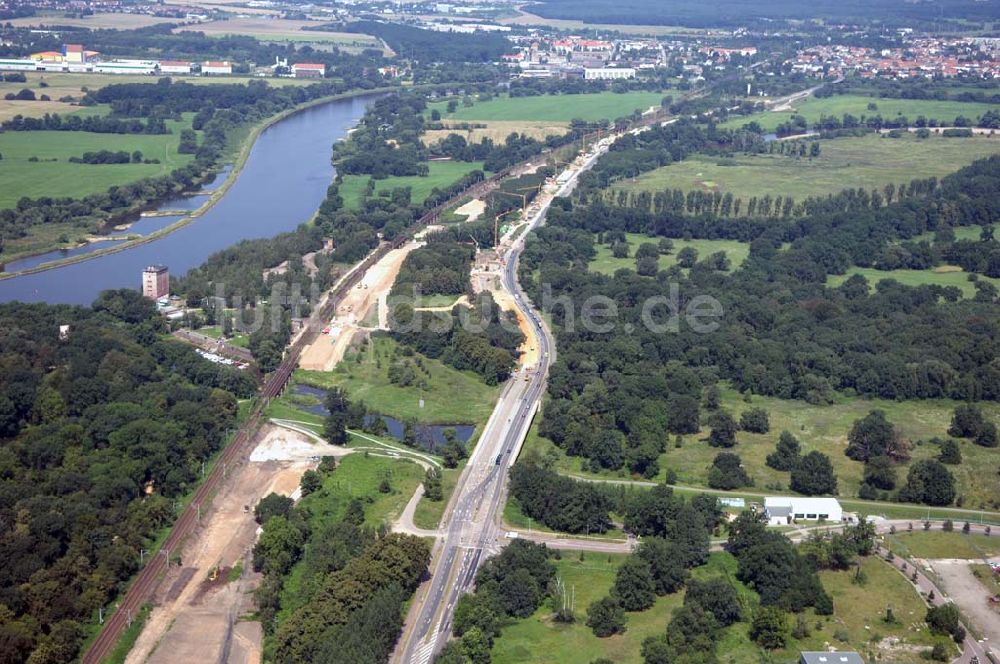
969,593
497,131
195,616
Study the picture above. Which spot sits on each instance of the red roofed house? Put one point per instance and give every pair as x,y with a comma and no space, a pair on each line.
307,70
74,53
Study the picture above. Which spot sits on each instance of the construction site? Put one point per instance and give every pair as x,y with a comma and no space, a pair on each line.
210,582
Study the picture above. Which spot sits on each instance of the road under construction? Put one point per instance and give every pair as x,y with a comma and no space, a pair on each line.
518,403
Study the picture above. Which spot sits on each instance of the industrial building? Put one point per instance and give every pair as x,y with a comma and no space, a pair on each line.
308,70
155,282
785,510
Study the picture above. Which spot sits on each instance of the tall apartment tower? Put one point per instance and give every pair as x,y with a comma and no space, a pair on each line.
155,282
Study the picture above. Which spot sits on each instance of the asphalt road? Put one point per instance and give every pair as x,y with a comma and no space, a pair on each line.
473,530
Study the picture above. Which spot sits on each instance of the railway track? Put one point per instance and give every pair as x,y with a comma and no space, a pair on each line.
148,578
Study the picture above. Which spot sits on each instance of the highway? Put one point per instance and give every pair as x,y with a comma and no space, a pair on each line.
473,531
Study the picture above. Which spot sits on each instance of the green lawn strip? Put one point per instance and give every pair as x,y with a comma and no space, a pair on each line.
429,512
553,108
948,276
451,396
441,174
858,618
436,300
128,637
938,544
60,178
606,263
844,163
857,105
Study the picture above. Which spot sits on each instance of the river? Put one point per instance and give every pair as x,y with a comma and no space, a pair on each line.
282,184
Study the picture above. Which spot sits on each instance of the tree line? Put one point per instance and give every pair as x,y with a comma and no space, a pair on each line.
354,581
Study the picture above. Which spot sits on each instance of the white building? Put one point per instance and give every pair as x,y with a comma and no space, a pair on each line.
126,67
784,510
12,64
212,68
175,67
608,73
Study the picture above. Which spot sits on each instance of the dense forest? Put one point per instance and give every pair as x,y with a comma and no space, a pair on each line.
102,428
783,333
740,13
432,46
353,582
482,338
440,267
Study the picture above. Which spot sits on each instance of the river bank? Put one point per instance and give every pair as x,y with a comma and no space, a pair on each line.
284,177
216,194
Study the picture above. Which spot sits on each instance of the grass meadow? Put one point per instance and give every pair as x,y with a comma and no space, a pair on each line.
606,263
937,544
21,177
945,111
441,174
844,163
451,396
821,428
857,622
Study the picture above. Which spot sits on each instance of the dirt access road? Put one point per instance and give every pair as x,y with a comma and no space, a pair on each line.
195,618
328,349
969,593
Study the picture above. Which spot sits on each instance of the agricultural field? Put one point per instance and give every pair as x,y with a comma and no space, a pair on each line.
22,177
59,85
99,21
526,18
441,174
606,263
551,108
944,275
451,396
821,428
844,163
857,620
497,131
857,105
279,29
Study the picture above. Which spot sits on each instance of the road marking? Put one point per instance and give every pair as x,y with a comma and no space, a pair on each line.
426,651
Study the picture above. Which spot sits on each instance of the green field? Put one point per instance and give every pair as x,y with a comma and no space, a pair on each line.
21,177
553,108
605,263
857,105
451,396
441,174
937,544
858,613
948,275
844,163
429,512
822,428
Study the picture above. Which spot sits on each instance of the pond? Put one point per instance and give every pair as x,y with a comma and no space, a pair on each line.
426,436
